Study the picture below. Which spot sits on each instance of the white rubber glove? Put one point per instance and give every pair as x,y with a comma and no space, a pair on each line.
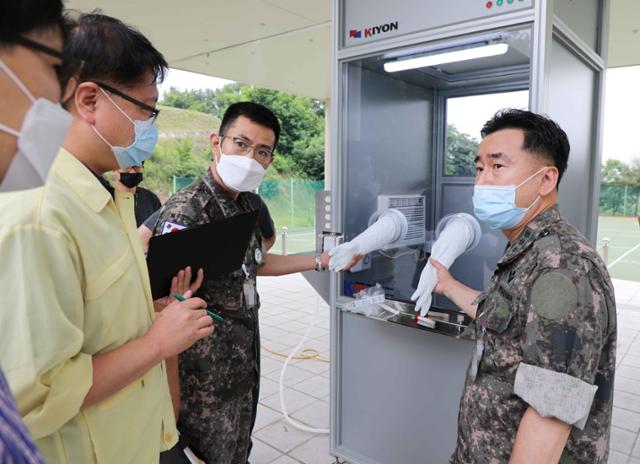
423,294
455,239
385,230
342,255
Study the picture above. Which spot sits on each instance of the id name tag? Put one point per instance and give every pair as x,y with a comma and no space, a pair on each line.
477,356
249,289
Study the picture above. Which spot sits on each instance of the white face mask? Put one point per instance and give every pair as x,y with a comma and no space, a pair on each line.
239,173
44,128
496,204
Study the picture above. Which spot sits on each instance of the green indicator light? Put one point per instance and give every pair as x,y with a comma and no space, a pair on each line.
499,2
509,1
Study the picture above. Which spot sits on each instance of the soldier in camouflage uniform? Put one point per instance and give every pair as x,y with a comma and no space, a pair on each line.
540,382
220,375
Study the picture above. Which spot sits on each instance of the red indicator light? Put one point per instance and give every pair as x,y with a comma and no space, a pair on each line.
489,4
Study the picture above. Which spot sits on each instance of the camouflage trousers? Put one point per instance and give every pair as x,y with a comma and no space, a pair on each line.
228,430
219,429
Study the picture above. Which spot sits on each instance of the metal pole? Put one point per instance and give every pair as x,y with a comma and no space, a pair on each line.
292,204
605,250
285,229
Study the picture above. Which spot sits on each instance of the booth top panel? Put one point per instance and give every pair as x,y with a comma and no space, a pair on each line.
364,21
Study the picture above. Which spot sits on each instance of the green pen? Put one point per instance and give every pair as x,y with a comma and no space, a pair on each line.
179,297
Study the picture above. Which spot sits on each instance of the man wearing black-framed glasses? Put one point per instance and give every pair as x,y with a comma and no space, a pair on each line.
217,386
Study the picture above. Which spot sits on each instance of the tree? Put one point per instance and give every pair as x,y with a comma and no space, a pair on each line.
614,171
460,153
203,100
300,150
309,156
633,173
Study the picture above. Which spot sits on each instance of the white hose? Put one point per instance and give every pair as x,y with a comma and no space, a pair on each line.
294,423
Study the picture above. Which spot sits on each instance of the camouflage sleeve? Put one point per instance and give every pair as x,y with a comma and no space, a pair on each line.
174,214
563,339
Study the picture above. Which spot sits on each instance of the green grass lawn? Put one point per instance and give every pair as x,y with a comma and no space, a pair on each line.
624,235
176,120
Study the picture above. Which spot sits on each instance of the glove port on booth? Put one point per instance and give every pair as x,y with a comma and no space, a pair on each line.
397,243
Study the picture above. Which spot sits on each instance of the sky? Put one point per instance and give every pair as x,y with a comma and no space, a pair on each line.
621,138
622,114
469,114
185,80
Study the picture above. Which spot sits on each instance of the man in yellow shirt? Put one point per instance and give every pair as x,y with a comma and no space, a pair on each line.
85,354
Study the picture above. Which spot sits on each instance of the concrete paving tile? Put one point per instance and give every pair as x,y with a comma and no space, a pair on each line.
316,386
625,400
626,419
266,416
261,453
268,365
315,451
628,372
631,360
282,436
312,365
315,415
616,457
271,332
292,376
294,400
627,385
284,459
267,387
622,440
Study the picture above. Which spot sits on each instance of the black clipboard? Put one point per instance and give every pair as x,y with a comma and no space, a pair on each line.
218,248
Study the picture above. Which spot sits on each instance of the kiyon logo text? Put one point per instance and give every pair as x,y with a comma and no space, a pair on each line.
373,30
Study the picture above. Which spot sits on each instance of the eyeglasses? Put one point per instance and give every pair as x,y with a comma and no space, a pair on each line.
154,112
68,66
242,146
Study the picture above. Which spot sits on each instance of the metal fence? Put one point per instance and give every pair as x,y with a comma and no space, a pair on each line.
291,201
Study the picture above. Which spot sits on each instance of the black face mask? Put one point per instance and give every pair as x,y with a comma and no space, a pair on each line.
130,179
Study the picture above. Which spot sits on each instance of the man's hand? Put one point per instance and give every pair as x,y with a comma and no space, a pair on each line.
180,284
344,257
179,326
174,330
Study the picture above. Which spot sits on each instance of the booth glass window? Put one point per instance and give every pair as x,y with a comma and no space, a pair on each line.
465,117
